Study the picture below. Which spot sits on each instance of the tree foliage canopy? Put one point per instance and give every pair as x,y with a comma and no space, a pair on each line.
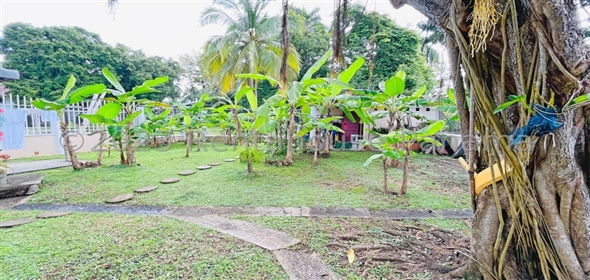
47,56
396,48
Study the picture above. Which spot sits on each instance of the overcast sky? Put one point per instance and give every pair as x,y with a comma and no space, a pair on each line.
164,28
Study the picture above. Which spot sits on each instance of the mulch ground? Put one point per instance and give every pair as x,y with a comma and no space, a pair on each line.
412,249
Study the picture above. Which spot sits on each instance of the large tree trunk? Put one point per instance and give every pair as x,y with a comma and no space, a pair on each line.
68,144
534,224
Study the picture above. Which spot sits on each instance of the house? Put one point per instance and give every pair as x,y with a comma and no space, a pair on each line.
356,131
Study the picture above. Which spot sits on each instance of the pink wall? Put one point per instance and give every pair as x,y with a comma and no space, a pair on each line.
351,128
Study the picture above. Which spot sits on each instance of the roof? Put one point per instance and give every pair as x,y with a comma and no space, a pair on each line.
8,74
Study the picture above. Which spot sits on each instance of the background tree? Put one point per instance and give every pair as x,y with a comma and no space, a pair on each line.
312,41
536,224
134,67
46,56
192,81
250,44
396,48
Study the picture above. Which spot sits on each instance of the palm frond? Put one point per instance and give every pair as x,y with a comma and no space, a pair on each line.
212,15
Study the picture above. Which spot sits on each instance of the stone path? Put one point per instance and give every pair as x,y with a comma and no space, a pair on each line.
264,237
393,214
31,166
298,265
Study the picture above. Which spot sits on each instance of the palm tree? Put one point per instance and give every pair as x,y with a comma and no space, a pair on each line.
250,44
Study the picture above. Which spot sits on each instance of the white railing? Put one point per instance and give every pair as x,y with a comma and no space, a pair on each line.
35,125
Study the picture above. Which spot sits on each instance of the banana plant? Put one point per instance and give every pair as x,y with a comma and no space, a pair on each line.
122,131
225,121
311,122
329,96
295,95
397,146
154,125
193,119
69,97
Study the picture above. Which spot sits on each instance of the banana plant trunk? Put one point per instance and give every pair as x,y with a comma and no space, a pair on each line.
238,127
103,137
404,189
249,168
121,151
189,141
317,147
129,148
198,139
68,145
385,168
326,150
289,157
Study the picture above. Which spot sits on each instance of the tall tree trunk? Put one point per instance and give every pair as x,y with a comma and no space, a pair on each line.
338,37
63,126
285,81
289,157
535,224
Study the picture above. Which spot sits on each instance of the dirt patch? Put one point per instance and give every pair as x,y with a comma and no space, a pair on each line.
411,249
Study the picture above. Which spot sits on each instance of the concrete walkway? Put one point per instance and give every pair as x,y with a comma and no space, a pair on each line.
31,166
296,264
393,214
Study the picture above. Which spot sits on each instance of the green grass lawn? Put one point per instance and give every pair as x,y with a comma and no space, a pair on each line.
341,180
98,246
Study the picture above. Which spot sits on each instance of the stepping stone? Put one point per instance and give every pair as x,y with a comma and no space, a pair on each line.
17,222
204,167
214,164
300,265
53,214
186,172
33,190
266,238
230,160
146,189
120,198
170,180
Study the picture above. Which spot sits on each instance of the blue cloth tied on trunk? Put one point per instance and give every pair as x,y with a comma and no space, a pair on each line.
542,123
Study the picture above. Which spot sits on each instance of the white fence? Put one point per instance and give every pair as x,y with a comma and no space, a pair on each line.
36,126
42,134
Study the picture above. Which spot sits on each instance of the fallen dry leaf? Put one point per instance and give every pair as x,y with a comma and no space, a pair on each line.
350,255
